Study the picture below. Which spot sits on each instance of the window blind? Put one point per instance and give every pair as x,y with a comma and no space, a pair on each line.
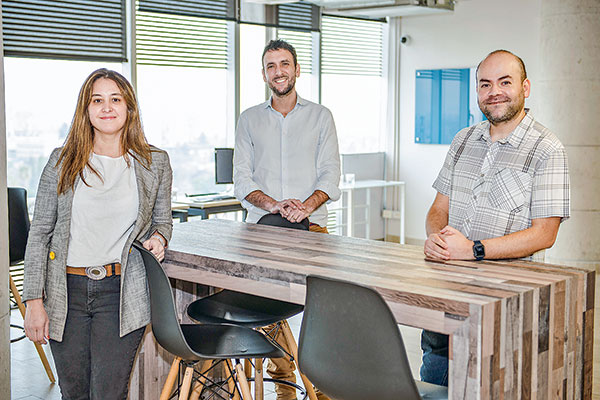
220,9
298,16
178,40
351,46
302,42
69,29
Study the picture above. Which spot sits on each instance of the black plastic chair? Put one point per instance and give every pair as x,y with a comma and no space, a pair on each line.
191,343
351,348
228,306
18,224
18,232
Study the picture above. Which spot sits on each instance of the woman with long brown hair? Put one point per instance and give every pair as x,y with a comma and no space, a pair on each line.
85,286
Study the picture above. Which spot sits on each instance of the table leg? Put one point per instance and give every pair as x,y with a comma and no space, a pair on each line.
402,224
349,215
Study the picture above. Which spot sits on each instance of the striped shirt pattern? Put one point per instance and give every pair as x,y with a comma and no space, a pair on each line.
497,188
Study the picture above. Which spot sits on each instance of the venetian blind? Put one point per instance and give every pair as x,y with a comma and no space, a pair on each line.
181,40
351,46
70,29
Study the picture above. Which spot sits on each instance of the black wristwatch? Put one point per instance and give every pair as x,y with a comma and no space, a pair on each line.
478,250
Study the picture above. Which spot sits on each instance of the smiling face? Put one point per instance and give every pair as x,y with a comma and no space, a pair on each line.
501,90
107,109
280,72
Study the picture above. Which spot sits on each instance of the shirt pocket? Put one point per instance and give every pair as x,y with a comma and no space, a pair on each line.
510,189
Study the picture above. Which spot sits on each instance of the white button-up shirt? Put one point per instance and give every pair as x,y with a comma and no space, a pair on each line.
286,157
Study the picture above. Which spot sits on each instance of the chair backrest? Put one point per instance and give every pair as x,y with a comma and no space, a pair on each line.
278,220
18,223
165,325
350,346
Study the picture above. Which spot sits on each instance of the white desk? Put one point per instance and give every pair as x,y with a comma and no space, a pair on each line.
368,185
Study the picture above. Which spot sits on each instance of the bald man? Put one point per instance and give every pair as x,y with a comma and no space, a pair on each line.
503,189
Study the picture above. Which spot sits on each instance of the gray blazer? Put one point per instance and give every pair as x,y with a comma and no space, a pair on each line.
46,254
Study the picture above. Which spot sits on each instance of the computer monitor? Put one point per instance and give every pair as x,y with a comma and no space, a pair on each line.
223,165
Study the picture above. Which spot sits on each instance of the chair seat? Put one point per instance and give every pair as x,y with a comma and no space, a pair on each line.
429,391
242,309
226,341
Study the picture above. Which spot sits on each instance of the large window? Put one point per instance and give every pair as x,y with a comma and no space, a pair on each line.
353,83
40,103
182,82
185,76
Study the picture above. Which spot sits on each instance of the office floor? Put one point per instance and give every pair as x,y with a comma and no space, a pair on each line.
29,380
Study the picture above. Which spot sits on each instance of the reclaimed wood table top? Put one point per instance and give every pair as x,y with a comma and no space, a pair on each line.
518,329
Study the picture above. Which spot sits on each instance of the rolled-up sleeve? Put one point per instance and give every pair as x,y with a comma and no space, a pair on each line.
243,161
41,230
328,159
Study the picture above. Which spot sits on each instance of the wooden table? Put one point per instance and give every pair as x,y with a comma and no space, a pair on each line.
518,329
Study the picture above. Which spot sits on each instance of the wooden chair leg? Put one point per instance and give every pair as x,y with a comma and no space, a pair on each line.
248,368
200,382
38,347
241,376
258,379
184,392
231,381
293,346
165,394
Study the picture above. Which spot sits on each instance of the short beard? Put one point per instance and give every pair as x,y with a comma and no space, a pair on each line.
288,89
512,110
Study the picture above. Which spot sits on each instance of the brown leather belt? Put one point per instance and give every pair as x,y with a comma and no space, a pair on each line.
96,273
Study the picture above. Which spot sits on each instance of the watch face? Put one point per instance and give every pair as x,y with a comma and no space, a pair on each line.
478,250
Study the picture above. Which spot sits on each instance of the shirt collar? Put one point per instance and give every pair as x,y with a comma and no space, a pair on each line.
299,101
514,139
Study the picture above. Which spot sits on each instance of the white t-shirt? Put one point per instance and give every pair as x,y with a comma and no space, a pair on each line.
103,213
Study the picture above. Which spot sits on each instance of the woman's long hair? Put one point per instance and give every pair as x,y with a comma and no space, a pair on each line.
79,144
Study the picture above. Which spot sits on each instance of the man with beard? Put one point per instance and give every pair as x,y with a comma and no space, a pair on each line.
286,161
503,189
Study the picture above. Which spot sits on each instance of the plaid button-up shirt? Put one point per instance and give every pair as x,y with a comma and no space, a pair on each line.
497,188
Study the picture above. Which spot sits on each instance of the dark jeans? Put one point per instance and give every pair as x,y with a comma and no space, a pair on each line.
92,361
435,358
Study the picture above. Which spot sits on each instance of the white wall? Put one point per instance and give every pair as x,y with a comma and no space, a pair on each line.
458,40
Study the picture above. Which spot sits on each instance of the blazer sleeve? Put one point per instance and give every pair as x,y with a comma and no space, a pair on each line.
41,231
162,220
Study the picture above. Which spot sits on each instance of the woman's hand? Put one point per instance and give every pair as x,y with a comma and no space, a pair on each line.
37,325
156,247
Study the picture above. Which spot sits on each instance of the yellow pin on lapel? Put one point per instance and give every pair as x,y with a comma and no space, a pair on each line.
52,255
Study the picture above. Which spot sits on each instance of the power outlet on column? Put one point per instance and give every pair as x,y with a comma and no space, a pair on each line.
391,214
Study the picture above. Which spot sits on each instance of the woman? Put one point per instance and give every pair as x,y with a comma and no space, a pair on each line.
85,286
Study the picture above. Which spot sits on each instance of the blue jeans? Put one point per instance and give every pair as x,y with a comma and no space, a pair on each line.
435,358
92,361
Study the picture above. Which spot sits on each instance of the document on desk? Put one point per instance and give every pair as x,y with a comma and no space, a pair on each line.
209,198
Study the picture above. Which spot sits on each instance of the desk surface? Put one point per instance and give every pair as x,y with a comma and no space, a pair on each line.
518,328
368,184
205,204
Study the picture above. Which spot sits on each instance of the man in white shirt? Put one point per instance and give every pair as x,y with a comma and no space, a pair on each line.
286,150
286,160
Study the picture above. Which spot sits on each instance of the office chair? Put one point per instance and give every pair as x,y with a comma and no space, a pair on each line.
18,232
351,348
191,343
251,311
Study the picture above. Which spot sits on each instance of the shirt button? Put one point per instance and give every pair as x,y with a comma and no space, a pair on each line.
482,175
52,255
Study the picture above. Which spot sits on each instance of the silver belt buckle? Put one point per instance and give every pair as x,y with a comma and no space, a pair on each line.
95,273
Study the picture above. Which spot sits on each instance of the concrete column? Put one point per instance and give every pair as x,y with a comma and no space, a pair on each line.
4,305
568,96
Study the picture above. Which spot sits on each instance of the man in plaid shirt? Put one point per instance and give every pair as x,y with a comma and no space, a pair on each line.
503,190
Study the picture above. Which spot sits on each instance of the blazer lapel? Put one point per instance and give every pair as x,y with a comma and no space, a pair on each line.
146,180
